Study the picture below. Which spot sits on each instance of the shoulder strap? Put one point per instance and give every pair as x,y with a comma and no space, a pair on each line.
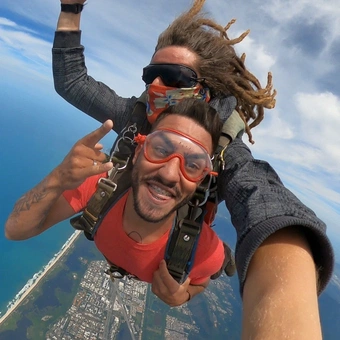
183,240
181,248
184,237
110,189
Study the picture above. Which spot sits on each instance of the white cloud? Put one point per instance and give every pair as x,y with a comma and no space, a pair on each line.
324,12
42,12
26,45
320,126
25,55
257,57
319,107
299,137
286,10
6,22
276,127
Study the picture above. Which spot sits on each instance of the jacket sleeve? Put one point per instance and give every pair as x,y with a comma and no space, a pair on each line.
72,82
259,205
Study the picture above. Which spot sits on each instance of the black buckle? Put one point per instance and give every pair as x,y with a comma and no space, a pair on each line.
179,258
116,272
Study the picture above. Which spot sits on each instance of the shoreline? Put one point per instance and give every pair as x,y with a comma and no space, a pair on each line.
39,276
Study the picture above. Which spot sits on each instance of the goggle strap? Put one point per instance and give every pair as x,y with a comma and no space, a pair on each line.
140,139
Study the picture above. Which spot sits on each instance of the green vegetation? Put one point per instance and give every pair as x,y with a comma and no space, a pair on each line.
11,322
42,318
154,319
138,318
178,314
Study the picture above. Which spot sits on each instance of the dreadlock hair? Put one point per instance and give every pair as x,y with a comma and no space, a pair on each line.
200,112
224,72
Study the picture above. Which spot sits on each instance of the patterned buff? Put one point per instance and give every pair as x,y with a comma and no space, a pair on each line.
158,98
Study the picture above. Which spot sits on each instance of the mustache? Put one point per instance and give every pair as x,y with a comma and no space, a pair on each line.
165,183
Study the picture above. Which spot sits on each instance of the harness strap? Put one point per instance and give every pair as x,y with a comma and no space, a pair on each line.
184,238
180,253
108,191
232,128
183,241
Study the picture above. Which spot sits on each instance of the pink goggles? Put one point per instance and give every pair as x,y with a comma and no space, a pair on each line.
162,145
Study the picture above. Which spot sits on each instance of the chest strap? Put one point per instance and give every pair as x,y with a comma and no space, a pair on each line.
182,244
184,237
110,190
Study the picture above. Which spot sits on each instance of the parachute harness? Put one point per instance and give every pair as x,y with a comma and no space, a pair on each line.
184,236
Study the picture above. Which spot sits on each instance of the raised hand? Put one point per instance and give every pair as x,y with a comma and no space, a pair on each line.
167,288
84,160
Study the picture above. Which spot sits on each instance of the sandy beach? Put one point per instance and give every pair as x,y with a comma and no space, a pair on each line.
50,265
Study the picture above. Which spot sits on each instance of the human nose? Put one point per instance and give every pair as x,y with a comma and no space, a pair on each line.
171,170
158,81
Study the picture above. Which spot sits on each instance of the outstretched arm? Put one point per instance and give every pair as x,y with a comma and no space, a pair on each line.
44,205
280,291
260,205
282,247
72,82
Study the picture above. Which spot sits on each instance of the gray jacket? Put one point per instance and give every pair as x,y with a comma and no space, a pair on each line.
258,202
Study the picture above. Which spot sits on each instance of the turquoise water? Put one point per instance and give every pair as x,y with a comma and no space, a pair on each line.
37,129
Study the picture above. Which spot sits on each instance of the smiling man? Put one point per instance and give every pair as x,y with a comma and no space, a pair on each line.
169,164
280,241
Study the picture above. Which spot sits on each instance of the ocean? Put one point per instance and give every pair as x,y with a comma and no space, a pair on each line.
37,129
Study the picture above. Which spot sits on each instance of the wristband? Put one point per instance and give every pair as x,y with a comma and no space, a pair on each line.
72,8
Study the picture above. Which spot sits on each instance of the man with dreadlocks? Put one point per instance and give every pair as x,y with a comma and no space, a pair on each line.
283,255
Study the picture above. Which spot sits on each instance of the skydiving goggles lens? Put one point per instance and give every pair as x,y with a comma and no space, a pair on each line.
164,144
172,75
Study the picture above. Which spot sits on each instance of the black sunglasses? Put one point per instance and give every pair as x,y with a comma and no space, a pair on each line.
173,75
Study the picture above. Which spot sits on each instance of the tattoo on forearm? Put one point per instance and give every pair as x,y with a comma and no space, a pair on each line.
26,201
34,196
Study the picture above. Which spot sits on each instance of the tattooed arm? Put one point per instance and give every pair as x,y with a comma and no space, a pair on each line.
38,210
44,205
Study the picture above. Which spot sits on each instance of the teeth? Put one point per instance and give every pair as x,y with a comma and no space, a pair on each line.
160,191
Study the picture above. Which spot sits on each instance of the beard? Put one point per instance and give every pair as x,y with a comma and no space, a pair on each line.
145,212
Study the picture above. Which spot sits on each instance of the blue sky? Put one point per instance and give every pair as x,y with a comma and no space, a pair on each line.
298,41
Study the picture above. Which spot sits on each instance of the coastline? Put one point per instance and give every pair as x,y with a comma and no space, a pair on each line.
32,283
